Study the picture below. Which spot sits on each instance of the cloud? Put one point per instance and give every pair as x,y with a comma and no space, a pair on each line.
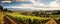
23,6
39,5
54,4
20,0
6,1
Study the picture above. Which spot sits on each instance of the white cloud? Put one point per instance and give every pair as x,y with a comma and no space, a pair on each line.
37,3
51,4
20,0
30,6
6,1
54,4
23,6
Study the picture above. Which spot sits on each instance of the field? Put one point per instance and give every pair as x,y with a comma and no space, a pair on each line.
1,17
17,18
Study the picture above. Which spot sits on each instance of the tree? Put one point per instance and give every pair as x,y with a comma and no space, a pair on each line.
9,11
36,13
1,7
5,9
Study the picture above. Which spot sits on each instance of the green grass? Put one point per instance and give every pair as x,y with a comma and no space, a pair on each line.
57,17
0,22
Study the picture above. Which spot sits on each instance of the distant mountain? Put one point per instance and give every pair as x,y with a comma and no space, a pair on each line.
26,9
20,9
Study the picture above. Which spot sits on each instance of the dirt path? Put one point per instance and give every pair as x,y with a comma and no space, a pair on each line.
12,21
1,17
51,21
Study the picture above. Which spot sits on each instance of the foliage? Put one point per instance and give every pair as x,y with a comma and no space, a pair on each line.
1,7
5,9
30,19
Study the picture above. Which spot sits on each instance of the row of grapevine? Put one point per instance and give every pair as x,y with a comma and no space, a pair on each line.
28,19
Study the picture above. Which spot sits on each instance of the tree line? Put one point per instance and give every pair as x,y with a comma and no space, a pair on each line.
42,13
5,9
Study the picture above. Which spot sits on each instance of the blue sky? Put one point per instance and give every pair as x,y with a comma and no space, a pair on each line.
33,4
0,1
15,4
46,1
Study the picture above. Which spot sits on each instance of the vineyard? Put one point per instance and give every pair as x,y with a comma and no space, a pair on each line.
16,18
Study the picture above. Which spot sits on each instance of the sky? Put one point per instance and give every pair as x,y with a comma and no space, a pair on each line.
33,4
0,1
